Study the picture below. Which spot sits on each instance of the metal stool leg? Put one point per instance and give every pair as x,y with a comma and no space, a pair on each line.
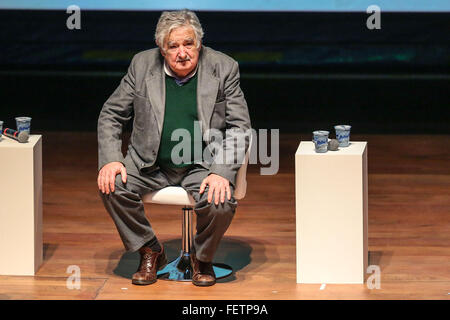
180,269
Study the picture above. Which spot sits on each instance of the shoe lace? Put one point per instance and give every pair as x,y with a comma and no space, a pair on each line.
146,264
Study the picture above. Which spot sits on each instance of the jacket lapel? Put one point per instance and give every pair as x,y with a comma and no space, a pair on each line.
156,91
207,88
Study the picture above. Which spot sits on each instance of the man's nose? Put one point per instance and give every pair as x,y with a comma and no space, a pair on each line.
182,52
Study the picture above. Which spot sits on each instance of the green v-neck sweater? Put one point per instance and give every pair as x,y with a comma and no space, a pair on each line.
180,113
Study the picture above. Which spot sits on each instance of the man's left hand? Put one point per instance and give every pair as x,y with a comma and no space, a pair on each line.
218,186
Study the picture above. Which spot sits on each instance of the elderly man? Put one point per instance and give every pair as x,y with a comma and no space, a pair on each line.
175,86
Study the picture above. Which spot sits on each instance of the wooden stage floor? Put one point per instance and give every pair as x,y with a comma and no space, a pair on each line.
409,229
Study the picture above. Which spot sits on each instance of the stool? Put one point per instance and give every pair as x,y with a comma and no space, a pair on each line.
180,269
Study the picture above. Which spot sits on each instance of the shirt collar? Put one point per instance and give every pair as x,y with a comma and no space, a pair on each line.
179,81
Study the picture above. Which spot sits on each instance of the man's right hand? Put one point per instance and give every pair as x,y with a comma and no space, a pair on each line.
107,176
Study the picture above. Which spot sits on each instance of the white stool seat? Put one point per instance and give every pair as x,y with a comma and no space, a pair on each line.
174,195
170,195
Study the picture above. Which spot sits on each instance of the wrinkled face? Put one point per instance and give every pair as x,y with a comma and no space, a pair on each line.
180,51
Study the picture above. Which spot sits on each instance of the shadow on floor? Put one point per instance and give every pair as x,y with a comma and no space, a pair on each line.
48,250
381,259
233,252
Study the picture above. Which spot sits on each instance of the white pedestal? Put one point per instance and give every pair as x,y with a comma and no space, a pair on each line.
331,214
20,206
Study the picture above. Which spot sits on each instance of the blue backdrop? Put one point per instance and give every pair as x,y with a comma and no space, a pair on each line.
235,5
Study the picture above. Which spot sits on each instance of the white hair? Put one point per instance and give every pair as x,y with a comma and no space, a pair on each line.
170,20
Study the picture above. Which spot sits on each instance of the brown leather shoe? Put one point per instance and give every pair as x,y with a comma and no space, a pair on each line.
150,263
203,272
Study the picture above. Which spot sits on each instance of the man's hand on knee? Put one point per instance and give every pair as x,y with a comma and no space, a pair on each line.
107,176
218,186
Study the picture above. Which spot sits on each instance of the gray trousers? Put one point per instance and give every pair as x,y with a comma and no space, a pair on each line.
127,209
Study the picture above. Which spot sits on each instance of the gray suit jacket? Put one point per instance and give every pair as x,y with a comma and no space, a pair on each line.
220,105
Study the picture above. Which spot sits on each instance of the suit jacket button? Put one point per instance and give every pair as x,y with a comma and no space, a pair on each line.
143,165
